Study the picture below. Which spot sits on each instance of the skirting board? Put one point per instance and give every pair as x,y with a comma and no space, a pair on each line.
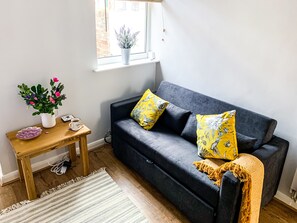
44,163
286,199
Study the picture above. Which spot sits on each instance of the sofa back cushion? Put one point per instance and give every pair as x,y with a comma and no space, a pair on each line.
175,118
245,143
247,122
189,132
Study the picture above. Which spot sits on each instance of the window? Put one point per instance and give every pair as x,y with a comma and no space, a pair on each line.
110,16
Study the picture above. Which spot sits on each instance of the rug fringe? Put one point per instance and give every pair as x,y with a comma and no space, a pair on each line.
14,206
72,181
48,192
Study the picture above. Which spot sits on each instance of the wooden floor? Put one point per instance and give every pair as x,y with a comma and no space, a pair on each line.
154,206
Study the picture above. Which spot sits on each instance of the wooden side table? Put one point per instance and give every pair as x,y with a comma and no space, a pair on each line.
50,139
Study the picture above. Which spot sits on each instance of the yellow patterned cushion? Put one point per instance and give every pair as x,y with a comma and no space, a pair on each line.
148,109
216,136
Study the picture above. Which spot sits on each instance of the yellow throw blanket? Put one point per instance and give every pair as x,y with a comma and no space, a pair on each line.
249,170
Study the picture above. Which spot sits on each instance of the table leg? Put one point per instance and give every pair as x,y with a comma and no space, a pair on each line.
72,153
21,173
84,154
28,176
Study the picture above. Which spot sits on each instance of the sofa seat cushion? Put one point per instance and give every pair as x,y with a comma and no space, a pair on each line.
171,153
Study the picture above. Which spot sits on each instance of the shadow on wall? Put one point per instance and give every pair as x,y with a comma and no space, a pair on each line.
159,75
105,106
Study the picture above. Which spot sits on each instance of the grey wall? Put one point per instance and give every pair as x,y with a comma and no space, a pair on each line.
243,52
43,38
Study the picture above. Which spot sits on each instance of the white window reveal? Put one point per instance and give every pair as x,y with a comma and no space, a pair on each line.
111,15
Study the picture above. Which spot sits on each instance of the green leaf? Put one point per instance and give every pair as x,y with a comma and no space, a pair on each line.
61,88
35,113
33,88
38,88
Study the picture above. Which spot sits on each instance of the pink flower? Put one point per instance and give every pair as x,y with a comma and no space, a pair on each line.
35,98
32,103
55,79
52,100
57,94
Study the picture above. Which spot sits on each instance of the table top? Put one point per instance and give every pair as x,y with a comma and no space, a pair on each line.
51,138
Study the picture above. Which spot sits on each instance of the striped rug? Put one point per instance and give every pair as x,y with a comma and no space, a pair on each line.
96,198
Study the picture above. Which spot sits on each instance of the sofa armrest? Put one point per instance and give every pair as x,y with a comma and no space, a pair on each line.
272,155
230,199
122,109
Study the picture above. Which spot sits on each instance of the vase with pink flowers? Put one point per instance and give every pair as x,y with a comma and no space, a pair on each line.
44,100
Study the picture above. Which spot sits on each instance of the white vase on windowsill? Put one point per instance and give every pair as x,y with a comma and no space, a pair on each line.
48,120
125,56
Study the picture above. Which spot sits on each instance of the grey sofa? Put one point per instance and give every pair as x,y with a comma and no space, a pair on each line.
164,155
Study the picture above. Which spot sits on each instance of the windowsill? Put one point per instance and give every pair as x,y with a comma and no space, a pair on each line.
116,66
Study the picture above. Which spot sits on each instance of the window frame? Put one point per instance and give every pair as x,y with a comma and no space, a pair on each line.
133,56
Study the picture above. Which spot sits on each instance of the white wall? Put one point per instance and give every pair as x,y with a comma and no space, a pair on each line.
243,52
43,38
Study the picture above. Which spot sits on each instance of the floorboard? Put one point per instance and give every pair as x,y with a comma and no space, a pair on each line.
153,205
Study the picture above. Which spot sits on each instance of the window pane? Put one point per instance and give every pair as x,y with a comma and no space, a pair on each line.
116,14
